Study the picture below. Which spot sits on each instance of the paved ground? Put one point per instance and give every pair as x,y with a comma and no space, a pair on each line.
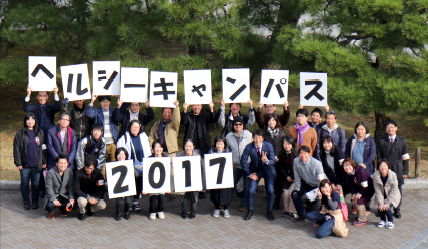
31,229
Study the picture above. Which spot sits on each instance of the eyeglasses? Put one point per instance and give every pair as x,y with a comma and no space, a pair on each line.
238,124
68,120
269,106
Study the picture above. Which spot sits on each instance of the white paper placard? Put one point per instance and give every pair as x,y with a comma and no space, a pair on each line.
106,77
197,86
120,179
163,89
42,72
156,174
187,173
274,86
134,84
313,89
219,170
236,85
75,82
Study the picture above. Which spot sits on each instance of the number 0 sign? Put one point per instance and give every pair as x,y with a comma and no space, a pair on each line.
219,170
187,173
156,174
120,179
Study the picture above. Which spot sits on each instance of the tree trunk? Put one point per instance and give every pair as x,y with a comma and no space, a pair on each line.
380,118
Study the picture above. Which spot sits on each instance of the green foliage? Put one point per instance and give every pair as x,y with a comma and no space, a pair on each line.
13,70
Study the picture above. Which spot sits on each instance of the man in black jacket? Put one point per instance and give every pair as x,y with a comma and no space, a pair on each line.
89,188
124,117
79,122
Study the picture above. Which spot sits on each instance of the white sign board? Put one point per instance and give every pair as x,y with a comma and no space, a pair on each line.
187,173
163,89
120,179
236,85
274,86
106,77
75,82
134,84
156,174
197,86
42,72
313,89
219,170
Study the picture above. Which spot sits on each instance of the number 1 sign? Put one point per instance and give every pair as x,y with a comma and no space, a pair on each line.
120,179
187,173
219,170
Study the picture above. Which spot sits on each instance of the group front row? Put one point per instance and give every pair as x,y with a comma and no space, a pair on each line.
303,174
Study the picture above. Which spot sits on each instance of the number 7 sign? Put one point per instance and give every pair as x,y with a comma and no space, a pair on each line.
219,170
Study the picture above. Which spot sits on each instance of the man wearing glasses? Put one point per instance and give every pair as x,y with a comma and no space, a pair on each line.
61,139
89,188
261,118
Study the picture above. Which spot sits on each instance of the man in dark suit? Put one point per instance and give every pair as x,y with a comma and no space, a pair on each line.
262,166
394,149
59,187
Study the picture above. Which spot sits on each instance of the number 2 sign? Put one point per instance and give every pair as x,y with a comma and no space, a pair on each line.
120,179
219,165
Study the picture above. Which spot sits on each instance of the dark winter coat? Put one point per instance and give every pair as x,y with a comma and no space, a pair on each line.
122,116
20,149
84,186
397,154
54,146
221,196
369,152
44,115
205,118
335,177
79,122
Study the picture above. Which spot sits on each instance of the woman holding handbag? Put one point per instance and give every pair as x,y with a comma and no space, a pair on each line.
136,142
330,218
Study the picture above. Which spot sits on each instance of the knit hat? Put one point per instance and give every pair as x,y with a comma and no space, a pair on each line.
238,119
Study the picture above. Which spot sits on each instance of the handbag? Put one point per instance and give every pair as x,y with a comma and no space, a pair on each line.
138,166
344,210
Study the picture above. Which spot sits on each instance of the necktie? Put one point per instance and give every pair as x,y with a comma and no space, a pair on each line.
392,140
258,152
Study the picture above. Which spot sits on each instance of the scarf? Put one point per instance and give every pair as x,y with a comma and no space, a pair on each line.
300,130
133,116
273,132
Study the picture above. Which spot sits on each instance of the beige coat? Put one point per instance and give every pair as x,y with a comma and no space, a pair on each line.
339,227
391,189
171,132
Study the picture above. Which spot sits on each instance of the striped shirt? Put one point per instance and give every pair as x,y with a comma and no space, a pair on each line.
107,133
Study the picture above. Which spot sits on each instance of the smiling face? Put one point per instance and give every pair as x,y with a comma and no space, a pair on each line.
219,145
327,145
62,165
135,107
304,156
258,140
196,109
121,156
361,131
270,109
316,117
64,121
326,189
158,150
347,167
42,97
238,126
272,123
135,129
287,146
89,169
30,122
188,148
391,129
331,121
97,133
301,119
167,114
235,108
105,104
383,168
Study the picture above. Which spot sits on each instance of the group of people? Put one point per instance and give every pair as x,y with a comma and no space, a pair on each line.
309,156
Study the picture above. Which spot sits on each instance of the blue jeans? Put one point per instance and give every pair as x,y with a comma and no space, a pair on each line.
237,174
64,201
326,227
304,188
28,174
252,191
387,214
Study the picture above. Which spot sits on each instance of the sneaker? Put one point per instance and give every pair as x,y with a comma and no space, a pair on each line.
136,208
161,215
368,212
353,211
153,216
35,205
127,216
27,206
381,224
359,223
389,225
216,213
292,216
226,213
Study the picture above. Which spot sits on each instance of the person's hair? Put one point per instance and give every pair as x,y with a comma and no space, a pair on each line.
90,160
97,126
27,116
164,108
383,161
304,148
38,93
102,98
189,140
133,122
258,132
302,111
363,124
239,104
322,184
390,121
219,138
64,114
351,162
317,110
157,141
327,138
275,117
61,156
331,113
120,149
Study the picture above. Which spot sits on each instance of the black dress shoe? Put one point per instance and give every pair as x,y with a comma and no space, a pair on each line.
35,205
184,213
397,214
88,211
41,193
82,217
192,214
127,216
270,216
118,217
201,195
249,215
27,206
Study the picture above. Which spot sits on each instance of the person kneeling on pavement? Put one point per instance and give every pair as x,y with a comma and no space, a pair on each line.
89,188
59,188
